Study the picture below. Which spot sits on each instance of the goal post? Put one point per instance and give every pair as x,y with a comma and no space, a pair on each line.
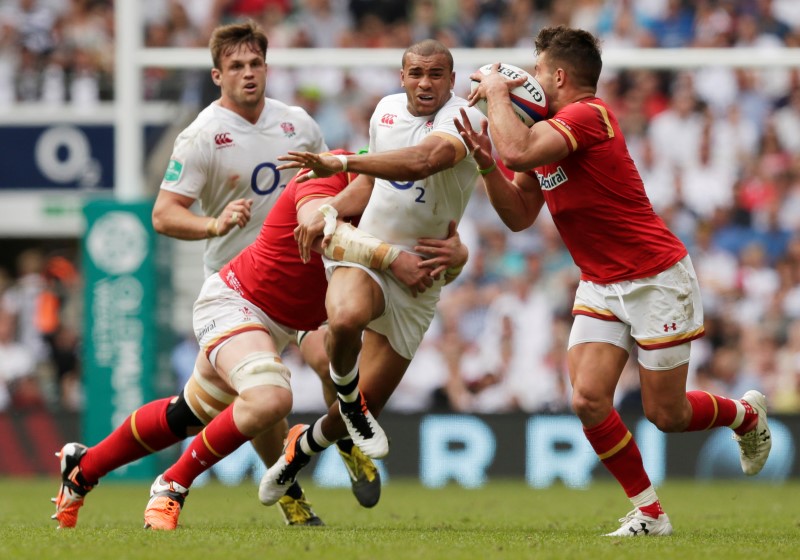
132,58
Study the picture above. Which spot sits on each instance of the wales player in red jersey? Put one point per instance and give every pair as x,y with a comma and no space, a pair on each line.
637,283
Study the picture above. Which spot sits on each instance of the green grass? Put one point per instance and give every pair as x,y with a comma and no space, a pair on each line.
503,520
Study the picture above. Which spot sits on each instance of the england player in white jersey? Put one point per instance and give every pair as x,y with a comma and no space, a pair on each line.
404,211
226,159
426,177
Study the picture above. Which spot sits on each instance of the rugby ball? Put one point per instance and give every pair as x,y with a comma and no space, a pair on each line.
528,100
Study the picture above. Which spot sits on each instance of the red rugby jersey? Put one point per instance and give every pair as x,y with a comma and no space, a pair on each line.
598,201
269,272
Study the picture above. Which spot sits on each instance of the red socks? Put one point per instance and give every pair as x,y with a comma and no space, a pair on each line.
711,411
617,450
143,432
218,440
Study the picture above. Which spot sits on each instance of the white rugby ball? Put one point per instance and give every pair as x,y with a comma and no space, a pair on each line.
528,100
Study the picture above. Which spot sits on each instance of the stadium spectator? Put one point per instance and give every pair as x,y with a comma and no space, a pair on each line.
22,300
622,298
19,386
675,27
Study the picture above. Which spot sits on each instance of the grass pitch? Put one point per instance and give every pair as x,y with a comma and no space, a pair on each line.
504,519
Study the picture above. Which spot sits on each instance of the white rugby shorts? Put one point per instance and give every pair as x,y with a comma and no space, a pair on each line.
406,318
220,313
660,311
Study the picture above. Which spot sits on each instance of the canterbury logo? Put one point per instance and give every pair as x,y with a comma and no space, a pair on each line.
388,119
223,139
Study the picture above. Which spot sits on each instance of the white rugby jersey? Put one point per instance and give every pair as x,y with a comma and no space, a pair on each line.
221,157
400,212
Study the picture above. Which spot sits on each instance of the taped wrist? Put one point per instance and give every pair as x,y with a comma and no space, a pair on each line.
353,245
212,228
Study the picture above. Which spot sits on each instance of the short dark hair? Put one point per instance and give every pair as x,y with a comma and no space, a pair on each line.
228,38
575,49
429,47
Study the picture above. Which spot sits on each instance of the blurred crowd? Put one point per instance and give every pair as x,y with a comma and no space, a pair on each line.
718,149
40,332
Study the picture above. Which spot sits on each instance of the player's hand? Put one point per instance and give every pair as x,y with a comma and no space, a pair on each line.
236,213
319,165
492,83
307,231
444,254
478,143
407,269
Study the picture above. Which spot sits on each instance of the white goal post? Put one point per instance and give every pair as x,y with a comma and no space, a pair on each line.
132,58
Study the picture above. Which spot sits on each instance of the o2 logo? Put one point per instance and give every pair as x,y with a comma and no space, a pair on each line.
64,155
270,181
407,185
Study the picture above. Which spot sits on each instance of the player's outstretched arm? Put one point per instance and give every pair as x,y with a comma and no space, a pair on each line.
517,202
318,165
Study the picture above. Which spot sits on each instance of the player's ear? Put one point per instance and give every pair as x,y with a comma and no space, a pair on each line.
215,76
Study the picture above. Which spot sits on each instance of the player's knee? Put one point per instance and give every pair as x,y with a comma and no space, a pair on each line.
589,408
665,419
180,418
346,321
262,407
256,378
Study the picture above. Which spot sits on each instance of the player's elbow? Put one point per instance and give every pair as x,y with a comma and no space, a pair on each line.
159,223
160,220
515,218
514,156
422,167
515,161
516,224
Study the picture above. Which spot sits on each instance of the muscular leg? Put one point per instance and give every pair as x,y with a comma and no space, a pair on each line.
365,480
244,363
267,444
312,349
668,405
595,369
380,371
352,301
664,398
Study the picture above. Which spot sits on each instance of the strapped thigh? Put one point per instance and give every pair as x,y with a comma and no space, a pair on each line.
260,368
205,399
